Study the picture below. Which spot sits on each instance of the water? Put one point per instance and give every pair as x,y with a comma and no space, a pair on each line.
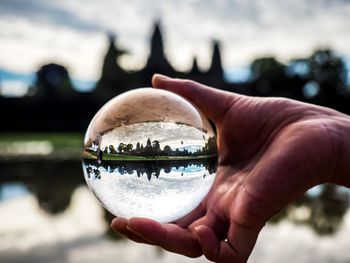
48,215
150,153
164,191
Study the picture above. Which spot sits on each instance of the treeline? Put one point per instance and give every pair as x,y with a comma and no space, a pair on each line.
152,148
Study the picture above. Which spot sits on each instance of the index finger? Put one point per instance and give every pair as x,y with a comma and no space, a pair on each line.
171,237
213,102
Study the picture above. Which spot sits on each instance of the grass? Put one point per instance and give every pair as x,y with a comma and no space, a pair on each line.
58,139
133,158
65,144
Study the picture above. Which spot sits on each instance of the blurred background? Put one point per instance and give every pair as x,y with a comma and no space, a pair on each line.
60,61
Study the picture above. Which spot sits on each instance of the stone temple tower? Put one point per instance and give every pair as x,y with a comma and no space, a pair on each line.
157,61
215,72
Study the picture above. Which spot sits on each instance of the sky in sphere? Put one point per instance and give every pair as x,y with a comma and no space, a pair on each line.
73,32
177,136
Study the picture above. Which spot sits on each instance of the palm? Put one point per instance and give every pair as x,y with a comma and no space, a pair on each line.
259,158
262,146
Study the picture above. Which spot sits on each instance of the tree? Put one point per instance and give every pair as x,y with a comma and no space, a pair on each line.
121,147
167,149
329,71
156,145
269,78
265,66
128,147
112,149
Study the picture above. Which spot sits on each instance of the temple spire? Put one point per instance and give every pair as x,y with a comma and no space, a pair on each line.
157,61
110,63
216,64
157,46
195,69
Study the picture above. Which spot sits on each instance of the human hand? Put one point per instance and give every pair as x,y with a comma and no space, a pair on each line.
271,150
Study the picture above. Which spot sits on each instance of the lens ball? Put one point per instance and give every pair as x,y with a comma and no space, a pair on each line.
150,153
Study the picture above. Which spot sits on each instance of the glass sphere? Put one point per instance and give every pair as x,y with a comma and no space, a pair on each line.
149,153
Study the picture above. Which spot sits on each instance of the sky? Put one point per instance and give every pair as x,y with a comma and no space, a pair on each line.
73,32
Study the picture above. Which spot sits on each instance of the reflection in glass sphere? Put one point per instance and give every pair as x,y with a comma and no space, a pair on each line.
149,153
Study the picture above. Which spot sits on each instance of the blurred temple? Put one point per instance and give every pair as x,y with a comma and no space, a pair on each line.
52,104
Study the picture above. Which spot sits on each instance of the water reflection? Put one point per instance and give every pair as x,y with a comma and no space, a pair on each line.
323,209
151,168
53,182
161,190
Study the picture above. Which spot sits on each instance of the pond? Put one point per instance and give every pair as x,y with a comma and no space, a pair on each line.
47,214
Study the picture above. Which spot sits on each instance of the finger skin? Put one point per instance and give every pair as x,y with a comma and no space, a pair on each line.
120,225
214,249
168,236
214,103
208,242
271,150
197,213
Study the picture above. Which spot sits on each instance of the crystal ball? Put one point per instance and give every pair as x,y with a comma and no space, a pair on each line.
150,153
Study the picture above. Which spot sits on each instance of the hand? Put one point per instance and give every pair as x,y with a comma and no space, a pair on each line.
271,150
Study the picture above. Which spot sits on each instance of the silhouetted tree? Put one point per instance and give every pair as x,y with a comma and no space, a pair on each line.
329,71
269,78
52,81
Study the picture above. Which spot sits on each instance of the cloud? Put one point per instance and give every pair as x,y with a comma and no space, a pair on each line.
26,46
47,12
73,31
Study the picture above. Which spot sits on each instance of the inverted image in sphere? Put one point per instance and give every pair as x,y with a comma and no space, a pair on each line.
149,153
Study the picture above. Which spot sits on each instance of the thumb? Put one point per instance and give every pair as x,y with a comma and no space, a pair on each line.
213,103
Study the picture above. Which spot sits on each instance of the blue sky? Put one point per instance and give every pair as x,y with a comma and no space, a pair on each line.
73,32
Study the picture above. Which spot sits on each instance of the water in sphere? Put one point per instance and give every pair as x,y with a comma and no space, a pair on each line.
149,153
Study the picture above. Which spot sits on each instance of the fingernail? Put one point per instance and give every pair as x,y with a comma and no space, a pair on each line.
118,223
160,76
112,222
